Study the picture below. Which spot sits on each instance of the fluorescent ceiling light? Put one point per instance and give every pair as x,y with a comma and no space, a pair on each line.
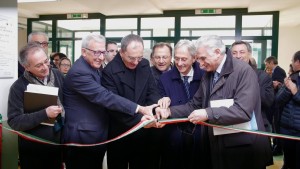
24,1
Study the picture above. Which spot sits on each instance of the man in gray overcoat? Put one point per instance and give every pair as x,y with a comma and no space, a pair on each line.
226,78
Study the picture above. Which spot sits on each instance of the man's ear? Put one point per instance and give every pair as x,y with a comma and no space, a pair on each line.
26,67
83,52
218,51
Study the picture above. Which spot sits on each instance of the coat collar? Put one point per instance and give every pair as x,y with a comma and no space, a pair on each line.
226,70
175,75
84,65
141,75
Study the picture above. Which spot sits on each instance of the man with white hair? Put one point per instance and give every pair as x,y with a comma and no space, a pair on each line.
183,140
226,78
86,100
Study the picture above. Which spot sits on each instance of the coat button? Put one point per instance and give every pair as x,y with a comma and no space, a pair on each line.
217,116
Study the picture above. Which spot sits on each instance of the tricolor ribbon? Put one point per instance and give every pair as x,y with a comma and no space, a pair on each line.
262,133
141,125
43,141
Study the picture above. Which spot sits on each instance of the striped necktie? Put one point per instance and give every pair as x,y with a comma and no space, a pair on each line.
216,77
186,86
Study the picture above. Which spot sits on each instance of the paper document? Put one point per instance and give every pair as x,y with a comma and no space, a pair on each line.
33,88
250,125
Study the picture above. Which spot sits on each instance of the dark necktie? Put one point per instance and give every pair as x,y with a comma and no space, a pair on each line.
59,123
186,86
216,77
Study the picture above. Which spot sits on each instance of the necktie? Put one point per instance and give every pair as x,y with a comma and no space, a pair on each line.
186,86
216,77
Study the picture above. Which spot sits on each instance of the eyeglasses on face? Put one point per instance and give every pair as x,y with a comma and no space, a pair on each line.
98,52
133,59
42,44
161,57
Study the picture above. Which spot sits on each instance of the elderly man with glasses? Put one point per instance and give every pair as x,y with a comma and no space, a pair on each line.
86,104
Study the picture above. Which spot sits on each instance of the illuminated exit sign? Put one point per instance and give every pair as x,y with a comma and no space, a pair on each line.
208,11
77,15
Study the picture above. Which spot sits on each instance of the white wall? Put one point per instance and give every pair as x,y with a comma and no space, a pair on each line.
8,10
289,43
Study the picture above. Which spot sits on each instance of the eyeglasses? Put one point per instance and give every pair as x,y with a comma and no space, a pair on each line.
161,57
133,59
98,52
65,65
111,51
39,65
42,44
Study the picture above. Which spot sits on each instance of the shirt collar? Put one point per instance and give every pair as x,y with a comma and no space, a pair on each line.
190,75
221,64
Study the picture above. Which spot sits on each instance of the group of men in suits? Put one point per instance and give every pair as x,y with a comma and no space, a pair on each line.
99,105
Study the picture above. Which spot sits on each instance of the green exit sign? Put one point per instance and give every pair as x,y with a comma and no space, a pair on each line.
77,15
208,11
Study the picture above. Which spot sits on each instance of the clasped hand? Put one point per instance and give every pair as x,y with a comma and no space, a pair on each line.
158,108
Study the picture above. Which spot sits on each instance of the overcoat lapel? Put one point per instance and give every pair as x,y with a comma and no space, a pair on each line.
226,70
141,77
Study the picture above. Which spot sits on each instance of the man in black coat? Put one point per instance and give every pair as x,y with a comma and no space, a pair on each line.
278,75
129,75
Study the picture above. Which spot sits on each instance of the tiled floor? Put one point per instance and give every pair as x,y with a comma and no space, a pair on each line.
277,162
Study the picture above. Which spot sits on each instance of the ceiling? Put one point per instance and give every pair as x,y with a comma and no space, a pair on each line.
289,9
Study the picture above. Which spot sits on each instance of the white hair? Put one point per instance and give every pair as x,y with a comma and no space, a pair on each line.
211,43
86,40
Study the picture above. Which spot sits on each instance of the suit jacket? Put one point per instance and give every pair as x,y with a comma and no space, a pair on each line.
171,85
266,94
85,100
181,150
140,88
156,74
237,81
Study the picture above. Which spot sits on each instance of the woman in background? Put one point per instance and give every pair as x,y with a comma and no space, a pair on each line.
64,65
55,59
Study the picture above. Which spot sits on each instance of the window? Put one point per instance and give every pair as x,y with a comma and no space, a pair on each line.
196,26
120,27
157,27
66,28
257,25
